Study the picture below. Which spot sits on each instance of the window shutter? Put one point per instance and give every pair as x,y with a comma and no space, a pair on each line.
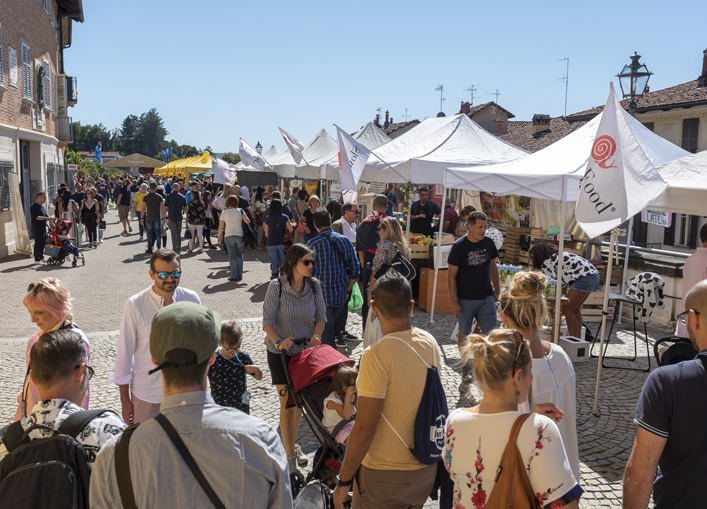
669,234
692,239
47,85
53,91
26,72
2,81
690,133
640,230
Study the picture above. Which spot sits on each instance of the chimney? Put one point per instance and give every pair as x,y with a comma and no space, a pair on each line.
540,123
465,108
702,80
387,122
391,120
498,127
378,120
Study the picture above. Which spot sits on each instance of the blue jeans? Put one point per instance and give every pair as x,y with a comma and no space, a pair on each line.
153,227
483,310
234,246
139,217
328,336
277,258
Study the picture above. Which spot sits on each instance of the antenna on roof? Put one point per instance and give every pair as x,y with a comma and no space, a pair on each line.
406,115
471,89
496,93
440,89
566,79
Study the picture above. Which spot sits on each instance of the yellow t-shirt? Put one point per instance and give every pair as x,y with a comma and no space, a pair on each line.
138,199
393,372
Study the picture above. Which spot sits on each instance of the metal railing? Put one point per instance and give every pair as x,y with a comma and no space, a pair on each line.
64,129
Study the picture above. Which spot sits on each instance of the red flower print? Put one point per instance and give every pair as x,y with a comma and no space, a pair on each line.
557,504
479,499
538,445
450,431
479,466
542,497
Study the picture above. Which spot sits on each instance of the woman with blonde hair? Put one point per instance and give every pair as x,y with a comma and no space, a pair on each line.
523,308
475,438
309,230
49,305
392,242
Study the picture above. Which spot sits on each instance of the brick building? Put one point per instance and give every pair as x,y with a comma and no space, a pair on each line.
35,95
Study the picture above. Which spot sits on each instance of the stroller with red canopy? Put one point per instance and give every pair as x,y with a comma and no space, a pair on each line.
309,375
56,248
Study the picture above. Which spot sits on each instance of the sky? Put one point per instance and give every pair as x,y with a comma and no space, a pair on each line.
220,70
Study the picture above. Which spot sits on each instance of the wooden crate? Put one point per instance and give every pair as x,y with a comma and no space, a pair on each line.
594,305
417,251
443,302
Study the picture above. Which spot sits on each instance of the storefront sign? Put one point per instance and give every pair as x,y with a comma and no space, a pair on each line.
658,217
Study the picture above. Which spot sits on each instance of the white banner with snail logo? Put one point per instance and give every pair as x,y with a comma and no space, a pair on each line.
620,180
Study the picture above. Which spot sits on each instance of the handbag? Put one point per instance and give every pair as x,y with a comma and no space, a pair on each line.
286,236
250,232
401,264
356,300
102,224
372,332
301,224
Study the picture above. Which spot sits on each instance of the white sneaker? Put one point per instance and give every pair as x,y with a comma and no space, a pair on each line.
301,456
42,262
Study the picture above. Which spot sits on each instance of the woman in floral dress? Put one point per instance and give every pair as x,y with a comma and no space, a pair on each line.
475,438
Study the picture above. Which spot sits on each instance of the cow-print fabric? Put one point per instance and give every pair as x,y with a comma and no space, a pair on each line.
573,267
52,412
647,289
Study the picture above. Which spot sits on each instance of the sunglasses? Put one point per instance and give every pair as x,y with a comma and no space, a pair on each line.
682,317
35,286
164,275
307,263
89,369
521,341
381,228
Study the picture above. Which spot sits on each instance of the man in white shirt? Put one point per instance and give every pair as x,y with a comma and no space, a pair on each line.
140,392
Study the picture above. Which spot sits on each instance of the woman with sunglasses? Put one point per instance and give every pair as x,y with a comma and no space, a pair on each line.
49,306
89,217
475,438
392,242
294,315
523,307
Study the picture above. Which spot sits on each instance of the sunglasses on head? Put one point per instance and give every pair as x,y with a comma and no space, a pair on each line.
521,341
164,275
307,263
35,286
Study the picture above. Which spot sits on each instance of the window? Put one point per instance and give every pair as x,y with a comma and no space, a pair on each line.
650,126
5,167
690,132
682,231
26,72
2,81
44,4
47,85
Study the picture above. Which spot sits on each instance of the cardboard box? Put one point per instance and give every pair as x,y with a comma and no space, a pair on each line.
443,303
577,349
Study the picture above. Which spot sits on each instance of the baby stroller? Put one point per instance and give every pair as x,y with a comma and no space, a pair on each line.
309,375
55,249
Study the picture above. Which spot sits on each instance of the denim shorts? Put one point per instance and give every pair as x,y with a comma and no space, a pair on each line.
586,284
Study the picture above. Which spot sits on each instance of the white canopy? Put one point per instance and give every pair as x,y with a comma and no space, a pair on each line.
271,152
314,152
554,173
687,177
422,154
370,136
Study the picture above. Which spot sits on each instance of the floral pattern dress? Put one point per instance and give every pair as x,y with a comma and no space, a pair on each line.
474,443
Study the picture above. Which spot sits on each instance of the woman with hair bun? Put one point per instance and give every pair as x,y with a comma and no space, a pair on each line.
49,305
523,308
475,438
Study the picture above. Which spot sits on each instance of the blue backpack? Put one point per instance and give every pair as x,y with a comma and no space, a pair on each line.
431,415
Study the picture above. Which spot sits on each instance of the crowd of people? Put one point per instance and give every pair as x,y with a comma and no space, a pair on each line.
182,373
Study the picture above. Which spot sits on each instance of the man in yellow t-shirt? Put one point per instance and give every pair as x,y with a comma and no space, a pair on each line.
392,378
137,205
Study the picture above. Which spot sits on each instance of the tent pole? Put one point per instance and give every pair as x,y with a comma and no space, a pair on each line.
434,258
560,267
629,234
607,285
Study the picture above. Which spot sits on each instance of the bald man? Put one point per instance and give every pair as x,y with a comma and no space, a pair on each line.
671,417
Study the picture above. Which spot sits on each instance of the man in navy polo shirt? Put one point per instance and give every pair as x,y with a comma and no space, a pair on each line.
39,226
175,205
669,452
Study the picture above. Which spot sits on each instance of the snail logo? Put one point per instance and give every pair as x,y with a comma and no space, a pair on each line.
603,149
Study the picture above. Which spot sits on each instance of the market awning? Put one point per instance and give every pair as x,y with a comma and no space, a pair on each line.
182,167
133,161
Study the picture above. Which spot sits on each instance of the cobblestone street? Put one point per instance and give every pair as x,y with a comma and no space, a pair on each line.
118,269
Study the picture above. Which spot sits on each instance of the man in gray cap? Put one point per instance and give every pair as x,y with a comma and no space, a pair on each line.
194,453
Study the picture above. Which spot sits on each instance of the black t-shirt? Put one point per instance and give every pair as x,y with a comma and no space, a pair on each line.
103,189
36,210
125,196
101,203
243,203
286,210
673,405
367,237
310,223
228,382
153,203
473,260
78,197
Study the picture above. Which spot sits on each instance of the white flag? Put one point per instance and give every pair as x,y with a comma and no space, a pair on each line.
224,173
250,157
620,180
295,146
352,159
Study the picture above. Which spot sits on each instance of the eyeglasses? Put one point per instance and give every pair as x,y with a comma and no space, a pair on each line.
307,262
164,275
89,369
35,286
682,317
521,341
230,350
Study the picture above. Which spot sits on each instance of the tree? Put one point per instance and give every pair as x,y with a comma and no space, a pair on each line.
190,151
129,135
86,167
151,134
209,150
231,158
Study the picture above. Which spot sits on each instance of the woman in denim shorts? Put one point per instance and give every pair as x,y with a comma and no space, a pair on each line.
580,275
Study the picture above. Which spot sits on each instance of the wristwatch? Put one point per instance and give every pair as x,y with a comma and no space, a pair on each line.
343,484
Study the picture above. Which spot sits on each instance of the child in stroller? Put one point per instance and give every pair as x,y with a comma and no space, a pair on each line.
60,237
340,404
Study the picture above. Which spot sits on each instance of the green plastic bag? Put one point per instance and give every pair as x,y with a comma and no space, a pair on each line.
356,300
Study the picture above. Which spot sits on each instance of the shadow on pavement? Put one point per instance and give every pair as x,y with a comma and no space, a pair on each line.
258,292
224,287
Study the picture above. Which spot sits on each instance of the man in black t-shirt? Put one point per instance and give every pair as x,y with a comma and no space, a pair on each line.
39,226
472,277
152,217
669,449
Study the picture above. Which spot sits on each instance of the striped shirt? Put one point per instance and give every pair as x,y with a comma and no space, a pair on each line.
292,314
329,269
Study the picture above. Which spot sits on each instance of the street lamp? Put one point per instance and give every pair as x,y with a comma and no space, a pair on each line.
633,80
259,148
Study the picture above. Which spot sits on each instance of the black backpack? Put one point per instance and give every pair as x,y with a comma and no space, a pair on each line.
49,472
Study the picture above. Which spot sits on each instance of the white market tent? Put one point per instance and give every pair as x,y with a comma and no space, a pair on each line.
271,152
423,154
314,152
370,136
687,178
